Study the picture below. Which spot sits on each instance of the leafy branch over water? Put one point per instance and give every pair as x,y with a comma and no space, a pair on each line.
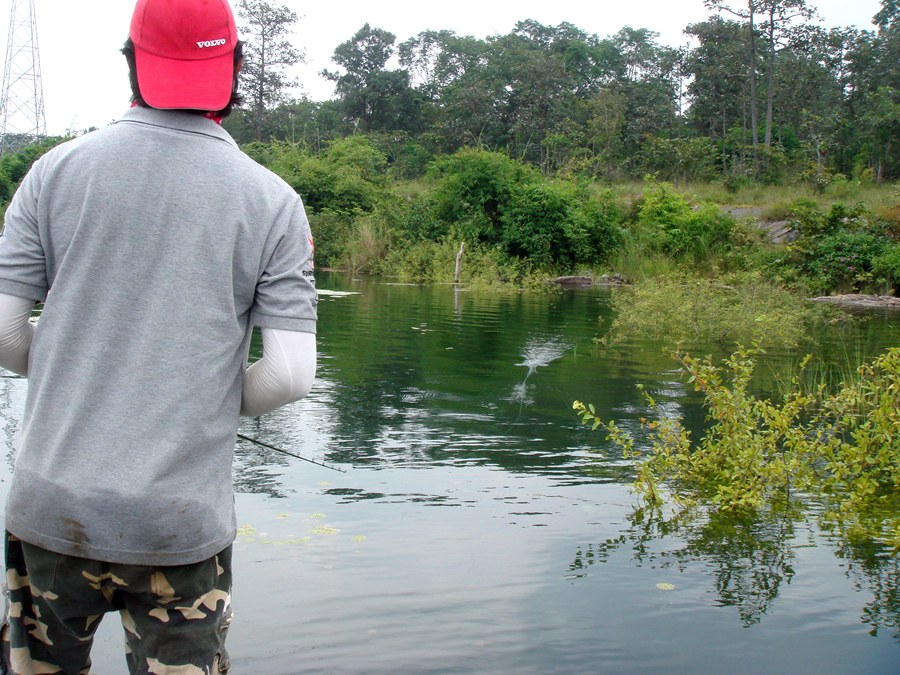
841,449
760,469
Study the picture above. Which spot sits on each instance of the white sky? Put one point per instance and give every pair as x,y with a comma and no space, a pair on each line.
85,79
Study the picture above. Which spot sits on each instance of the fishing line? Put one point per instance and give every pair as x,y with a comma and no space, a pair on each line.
290,454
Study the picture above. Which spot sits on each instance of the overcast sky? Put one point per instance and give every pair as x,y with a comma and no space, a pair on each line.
85,79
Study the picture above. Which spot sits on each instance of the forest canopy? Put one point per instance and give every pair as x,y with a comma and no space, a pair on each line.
763,93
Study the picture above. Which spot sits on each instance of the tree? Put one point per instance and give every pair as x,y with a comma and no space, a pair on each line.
373,97
266,55
718,70
884,109
887,15
748,12
873,94
647,76
780,14
607,115
435,59
536,88
881,124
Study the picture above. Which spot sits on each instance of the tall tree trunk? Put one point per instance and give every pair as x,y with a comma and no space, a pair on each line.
754,108
260,104
724,152
770,91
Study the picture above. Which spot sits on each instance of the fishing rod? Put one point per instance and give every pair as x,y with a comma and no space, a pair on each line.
290,454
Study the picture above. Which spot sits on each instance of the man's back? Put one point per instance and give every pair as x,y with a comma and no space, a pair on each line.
162,244
156,246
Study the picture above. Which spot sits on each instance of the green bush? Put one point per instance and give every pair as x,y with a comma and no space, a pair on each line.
356,155
605,224
806,218
331,231
542,222
348,177
488,198
774,164
886,268
410,160
474,188
14,166
809,221
677,228
679,159
845,260
841,449
414,218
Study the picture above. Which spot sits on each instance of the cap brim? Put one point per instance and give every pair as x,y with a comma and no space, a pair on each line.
181,84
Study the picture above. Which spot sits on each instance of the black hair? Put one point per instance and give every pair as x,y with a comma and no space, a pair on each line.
236,98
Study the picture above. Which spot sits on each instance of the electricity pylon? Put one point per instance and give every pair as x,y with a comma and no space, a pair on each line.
22,100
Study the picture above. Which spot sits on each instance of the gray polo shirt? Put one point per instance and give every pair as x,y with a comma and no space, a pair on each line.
156,245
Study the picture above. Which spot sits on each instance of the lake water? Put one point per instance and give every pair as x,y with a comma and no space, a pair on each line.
479,528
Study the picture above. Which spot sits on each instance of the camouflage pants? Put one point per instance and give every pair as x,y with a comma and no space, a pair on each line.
175,618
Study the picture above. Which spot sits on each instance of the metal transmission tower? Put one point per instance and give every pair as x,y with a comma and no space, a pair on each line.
22,101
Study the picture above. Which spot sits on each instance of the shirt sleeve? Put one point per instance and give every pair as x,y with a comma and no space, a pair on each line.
286,291
16,332
23,265
285,373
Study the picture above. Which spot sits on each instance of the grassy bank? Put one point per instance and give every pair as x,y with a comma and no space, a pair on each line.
518,226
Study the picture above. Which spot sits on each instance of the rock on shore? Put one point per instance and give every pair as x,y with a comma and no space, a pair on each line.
604,280
860,300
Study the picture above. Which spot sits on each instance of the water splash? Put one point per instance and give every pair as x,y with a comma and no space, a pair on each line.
520,394
541,352
538,352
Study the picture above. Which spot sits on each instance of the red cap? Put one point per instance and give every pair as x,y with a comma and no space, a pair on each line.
184,51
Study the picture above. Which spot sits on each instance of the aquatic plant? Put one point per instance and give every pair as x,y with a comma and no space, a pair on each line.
839,449
684,309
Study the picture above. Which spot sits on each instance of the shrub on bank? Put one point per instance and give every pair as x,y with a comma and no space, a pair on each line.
844,261
364,221
348,177
846,249
672,225
886,268
840,448
14,165
681,309
474,188
487,198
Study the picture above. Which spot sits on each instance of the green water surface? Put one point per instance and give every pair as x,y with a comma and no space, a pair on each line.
479,528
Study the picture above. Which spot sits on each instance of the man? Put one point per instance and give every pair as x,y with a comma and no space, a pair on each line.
155,246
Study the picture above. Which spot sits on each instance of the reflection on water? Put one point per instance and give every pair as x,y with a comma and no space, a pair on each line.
750,558
475,530
875,572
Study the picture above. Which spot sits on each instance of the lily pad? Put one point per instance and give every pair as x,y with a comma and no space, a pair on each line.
325,530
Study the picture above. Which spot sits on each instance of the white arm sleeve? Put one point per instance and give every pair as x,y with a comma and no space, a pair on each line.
15,332
285,373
